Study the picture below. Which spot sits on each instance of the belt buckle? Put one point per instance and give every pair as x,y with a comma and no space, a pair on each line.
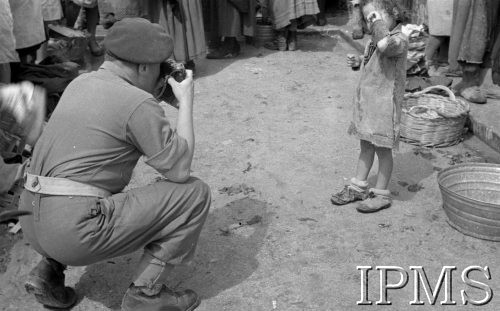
35,184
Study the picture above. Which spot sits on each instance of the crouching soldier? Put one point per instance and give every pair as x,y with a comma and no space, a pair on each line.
104,121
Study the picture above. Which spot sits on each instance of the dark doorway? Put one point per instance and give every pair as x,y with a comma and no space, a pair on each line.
336,12
334,6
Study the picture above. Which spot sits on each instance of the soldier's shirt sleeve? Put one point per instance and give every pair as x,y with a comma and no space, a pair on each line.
150,131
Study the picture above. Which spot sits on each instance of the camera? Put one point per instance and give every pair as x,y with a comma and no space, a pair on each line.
170,69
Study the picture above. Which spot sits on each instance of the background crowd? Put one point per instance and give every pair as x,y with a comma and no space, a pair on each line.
464,36
25,25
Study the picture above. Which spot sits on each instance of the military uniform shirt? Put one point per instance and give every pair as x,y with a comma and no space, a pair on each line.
100,128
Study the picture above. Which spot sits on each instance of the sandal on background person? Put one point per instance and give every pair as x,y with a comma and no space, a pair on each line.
95,48
453,73
87,20
473,94
285,40
292,40
229,48
320,17
279,43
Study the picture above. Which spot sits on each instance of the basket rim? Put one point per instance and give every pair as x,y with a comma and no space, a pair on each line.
461,107
425,91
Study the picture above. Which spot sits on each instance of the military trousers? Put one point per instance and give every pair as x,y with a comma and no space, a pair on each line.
164,218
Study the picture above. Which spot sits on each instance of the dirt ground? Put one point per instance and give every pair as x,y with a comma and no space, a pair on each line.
272,144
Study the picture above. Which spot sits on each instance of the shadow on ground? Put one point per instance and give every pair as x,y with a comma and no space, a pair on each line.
409,171
306,42
316,42
7,241
232,236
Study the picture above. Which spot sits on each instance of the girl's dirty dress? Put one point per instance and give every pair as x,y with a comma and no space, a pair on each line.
380,90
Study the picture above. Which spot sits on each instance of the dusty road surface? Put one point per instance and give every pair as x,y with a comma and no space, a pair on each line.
272,144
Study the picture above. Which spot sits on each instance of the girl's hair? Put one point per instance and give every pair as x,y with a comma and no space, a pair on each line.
403,16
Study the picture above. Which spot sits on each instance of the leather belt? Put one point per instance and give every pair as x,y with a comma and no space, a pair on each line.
62,186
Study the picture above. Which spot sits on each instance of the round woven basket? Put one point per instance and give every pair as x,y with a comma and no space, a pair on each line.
432,120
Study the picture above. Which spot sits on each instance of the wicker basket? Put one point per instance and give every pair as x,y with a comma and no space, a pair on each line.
431,120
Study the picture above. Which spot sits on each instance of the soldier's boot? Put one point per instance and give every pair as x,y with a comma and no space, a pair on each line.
159,297
146,294
46,283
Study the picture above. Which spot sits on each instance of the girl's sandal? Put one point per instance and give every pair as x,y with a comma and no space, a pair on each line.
374,203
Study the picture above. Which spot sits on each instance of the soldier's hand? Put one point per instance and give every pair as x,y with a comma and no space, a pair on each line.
183,91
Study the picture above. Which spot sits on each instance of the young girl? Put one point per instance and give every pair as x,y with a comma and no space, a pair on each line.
377,103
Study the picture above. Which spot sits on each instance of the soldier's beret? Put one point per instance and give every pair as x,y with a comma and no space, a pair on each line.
138,41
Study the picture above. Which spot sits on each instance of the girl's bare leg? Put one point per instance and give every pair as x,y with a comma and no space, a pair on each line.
381,197
385,164
365,160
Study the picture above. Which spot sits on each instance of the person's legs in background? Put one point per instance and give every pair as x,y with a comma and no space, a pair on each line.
230,29
92,16
321,18
292,35
78,17
28,55
7,43
52,14
71,12
433,44
468,87
28,29
42,52
286,38
184,23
